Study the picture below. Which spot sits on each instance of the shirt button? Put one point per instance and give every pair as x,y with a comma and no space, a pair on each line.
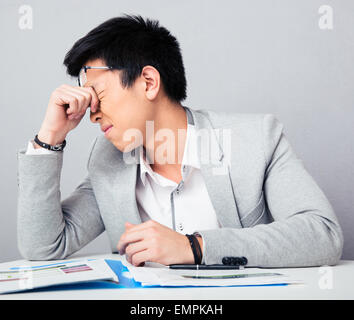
180,226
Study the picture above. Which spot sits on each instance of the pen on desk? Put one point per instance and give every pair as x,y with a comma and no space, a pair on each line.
204,267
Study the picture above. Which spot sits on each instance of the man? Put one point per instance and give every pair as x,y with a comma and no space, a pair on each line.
160,191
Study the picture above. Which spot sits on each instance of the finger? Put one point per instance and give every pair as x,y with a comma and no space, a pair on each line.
134,248
140,258
146,230
67,98
128,238
129,225
138,232
83,97
143,226
91,95
94,98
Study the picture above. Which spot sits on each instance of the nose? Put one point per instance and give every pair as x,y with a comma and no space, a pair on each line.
95,116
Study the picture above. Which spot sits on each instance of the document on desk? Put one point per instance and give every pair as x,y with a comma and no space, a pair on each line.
153,274
44,275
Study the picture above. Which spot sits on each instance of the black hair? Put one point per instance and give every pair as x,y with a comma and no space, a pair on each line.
129,43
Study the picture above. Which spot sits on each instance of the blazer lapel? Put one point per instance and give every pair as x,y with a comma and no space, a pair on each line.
124,190
215,171
123,182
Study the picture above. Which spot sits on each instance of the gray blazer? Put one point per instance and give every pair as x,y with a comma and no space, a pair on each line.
269,207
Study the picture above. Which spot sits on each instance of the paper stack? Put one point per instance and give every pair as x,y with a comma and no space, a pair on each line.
154,274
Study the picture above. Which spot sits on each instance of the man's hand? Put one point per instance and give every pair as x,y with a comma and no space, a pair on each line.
66,108
154,242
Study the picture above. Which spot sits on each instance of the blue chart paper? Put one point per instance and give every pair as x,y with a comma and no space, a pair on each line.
125,281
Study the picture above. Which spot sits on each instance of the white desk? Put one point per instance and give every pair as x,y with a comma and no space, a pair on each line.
342,287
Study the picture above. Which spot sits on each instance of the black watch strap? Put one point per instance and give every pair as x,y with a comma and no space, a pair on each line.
57,147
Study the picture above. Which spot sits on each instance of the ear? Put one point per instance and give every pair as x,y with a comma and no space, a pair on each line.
151,80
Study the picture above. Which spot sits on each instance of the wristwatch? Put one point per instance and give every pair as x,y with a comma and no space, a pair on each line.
57,147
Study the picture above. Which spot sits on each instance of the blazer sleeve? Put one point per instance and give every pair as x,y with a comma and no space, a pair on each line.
48,227
304,230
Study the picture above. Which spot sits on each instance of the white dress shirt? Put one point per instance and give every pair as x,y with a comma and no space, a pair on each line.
186,206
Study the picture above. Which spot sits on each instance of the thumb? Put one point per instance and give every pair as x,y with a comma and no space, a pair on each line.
129,225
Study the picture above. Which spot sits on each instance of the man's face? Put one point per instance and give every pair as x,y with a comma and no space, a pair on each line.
123,108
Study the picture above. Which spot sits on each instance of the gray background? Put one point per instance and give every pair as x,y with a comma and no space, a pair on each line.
245,56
